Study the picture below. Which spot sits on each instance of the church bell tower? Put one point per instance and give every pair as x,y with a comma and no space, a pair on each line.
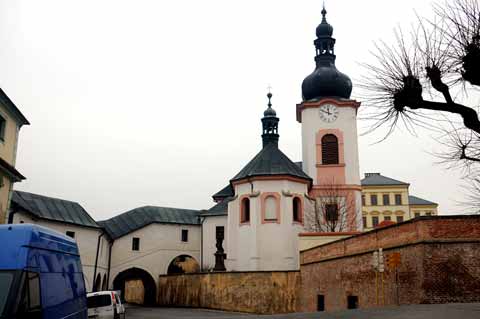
329,130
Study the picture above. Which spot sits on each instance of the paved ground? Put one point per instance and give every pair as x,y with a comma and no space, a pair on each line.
446,311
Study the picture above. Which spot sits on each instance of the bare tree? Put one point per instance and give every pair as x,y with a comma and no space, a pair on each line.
332,210
418,82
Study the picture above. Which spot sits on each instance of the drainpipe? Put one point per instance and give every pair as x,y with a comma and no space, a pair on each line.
96,261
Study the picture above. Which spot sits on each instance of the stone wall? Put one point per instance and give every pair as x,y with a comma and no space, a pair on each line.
440,262
254,292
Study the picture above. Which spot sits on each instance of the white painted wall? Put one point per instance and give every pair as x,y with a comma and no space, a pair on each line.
209,241
86,239
347,123
159,245
260,246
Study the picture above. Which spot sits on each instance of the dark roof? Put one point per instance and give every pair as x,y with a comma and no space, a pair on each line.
219,209
224,192
5,100
376,179
10,171
414,200
52,209
137,218
271,161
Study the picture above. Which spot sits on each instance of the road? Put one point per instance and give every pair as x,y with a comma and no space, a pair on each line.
444,311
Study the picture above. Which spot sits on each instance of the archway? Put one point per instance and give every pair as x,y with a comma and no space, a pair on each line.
183,264
131,275
97,286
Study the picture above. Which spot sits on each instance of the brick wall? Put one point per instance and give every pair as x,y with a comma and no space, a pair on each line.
440,263
254,292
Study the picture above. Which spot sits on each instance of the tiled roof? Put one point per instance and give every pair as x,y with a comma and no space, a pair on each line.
376,179
219,209
224,192
52,209
414,200
271,161
137,218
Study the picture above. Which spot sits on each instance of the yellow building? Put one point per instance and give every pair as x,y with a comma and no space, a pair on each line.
11,120
387,199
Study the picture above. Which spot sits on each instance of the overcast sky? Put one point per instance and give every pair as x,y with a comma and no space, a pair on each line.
136,103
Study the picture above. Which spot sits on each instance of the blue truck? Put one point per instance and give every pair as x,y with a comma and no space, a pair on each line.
40,274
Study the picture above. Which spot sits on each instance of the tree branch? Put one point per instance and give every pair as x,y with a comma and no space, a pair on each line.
469,115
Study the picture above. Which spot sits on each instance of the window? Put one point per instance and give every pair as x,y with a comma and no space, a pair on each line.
352,302
320,303
331,212
30,303
245,211
399,219
297,209
417,214
364,220
363,200
398,199
329,149
70,233
428,213
387,218
373,200
184,235
386,199
270,208
374,221
135,243
3,125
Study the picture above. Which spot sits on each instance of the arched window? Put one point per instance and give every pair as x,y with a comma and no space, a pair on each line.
245,211
329,149
297,210
270,208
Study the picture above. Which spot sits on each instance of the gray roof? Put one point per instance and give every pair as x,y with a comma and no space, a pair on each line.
224,192
137,218
414,200
376,179
219,209
12,108
52,209
271,161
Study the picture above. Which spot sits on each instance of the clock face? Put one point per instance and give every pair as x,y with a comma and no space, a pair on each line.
328,113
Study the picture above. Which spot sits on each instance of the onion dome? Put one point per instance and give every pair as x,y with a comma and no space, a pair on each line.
325,80
269,111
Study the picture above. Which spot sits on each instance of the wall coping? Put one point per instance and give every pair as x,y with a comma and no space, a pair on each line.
231,272
375,231
320,234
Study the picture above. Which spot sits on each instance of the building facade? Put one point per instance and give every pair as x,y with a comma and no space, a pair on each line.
387,199
11,120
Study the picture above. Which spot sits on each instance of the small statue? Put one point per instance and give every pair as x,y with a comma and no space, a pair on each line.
220,255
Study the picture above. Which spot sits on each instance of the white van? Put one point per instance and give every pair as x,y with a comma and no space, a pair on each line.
105,305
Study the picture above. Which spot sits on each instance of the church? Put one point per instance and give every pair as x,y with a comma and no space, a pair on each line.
257,217
273,199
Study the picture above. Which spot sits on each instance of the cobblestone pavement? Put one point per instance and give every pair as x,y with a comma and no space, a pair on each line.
445,311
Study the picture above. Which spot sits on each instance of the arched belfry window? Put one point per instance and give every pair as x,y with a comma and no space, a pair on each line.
245,211
297,210
329,149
